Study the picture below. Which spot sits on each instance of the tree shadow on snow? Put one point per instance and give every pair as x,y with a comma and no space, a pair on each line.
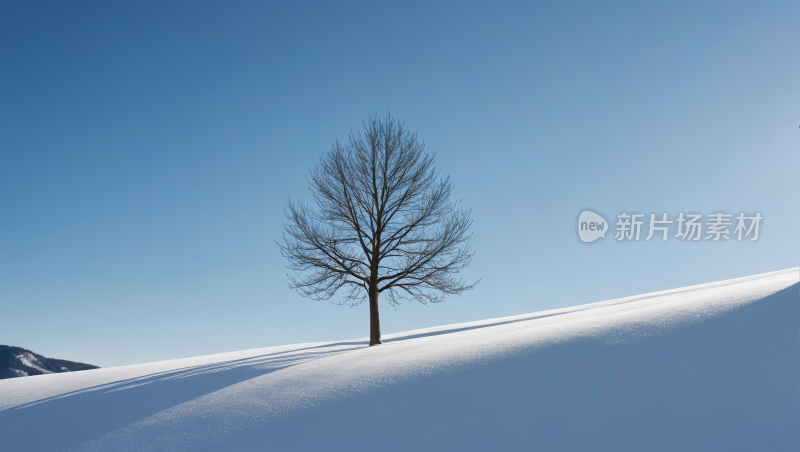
78,416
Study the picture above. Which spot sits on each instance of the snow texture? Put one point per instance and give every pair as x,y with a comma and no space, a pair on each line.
708,367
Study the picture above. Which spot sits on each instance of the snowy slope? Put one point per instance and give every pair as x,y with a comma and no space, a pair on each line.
709,367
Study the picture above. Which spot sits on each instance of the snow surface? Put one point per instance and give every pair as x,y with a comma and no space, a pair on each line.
709,367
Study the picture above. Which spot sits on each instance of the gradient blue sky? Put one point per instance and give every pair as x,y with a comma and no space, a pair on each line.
147,150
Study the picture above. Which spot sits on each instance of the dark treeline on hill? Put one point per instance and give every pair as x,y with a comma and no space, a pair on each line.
19,362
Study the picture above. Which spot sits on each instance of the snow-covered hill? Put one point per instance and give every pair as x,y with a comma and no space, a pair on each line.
709,367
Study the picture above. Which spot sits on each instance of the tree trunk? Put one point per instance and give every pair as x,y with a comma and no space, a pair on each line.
374,317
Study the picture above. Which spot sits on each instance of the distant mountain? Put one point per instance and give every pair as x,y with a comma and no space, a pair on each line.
19,362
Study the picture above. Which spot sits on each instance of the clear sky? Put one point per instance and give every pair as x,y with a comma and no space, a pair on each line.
147,150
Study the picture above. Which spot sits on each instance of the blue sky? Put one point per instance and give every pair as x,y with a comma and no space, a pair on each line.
147,150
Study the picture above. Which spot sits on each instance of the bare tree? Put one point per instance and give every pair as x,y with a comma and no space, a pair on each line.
384,223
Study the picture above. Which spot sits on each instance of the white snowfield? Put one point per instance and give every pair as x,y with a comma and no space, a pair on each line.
708,367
